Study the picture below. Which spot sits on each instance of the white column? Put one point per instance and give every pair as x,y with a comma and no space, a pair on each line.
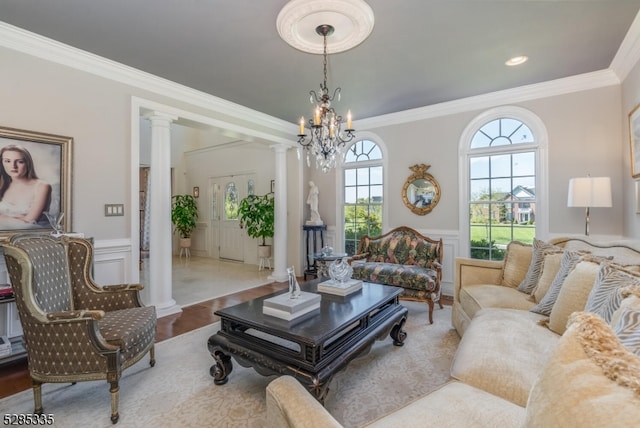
160,246
280,233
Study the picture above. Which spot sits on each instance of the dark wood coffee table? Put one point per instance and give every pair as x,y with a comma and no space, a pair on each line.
312,349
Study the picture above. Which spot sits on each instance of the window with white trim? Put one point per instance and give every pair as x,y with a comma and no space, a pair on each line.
363,193
502,196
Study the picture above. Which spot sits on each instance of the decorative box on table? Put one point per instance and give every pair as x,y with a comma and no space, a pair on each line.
283,306
341,288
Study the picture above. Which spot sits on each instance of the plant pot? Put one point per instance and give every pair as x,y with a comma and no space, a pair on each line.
264,251
185,242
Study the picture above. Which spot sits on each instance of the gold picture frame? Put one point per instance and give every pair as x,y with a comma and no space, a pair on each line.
421,191
634,141
51,162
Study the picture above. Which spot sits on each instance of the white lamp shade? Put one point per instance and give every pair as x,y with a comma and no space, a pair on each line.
589,192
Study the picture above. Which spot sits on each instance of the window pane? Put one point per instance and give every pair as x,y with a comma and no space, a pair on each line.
363,194
479,190
524,164
350,177
363,176
479,167
500,188
501,166
376,175
350,195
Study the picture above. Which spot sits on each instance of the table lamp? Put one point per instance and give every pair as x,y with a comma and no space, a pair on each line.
589,192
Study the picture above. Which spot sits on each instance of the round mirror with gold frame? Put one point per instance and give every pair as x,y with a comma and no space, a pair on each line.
421,192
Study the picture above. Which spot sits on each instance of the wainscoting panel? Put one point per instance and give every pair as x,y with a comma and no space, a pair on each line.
200,240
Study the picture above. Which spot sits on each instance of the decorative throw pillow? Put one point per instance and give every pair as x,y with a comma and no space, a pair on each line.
626,320
605,297
589,380
535,267
550,268
516,263
574,293
569,260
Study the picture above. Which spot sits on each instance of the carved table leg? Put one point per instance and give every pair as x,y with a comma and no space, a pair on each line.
397,333
318,389
222,368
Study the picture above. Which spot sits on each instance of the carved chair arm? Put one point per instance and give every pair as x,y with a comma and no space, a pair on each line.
75,315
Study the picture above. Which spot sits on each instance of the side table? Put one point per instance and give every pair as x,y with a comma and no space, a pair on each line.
17,347
312,232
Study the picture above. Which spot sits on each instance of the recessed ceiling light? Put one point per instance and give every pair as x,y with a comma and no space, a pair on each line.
517,60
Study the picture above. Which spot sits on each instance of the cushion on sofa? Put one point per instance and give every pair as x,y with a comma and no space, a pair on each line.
407,276
480,296
288,405
550,268
502,352
590,380
574,293
626,320
454,404
605,297
540,248
516,263
569,260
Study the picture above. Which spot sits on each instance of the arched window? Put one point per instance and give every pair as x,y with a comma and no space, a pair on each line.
363,190
503,197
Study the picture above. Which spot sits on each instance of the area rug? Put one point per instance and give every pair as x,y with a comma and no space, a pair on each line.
179,392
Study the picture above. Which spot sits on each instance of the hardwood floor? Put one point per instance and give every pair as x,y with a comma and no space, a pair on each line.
14,377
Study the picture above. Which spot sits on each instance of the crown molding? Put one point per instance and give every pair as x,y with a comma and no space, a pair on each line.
629,51
556,87
42,47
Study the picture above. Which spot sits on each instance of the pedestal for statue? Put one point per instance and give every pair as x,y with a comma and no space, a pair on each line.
284,307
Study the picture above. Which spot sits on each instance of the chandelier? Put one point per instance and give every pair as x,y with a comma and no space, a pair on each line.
326,137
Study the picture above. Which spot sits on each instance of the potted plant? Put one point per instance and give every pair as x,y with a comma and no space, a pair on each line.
184,215
257,216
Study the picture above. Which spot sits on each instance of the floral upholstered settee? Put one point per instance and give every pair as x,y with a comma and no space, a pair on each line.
404,258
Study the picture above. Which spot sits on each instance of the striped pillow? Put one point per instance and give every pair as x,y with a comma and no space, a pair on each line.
605,297
569,261
540,249
626,322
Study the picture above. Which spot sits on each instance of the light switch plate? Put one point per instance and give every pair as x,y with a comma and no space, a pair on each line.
113,210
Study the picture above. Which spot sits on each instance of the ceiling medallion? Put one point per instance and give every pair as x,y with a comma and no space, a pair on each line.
298,20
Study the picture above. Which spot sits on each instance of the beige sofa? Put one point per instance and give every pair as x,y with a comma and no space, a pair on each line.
515,367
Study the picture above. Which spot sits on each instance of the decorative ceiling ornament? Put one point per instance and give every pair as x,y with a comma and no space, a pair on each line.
298,20
354,18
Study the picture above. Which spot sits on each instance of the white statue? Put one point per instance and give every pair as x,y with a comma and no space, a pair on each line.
312,200
294,287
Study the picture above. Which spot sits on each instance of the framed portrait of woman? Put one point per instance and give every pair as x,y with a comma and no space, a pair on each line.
35,182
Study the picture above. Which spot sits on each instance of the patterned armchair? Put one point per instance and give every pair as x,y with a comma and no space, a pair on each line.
404,258
75,330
